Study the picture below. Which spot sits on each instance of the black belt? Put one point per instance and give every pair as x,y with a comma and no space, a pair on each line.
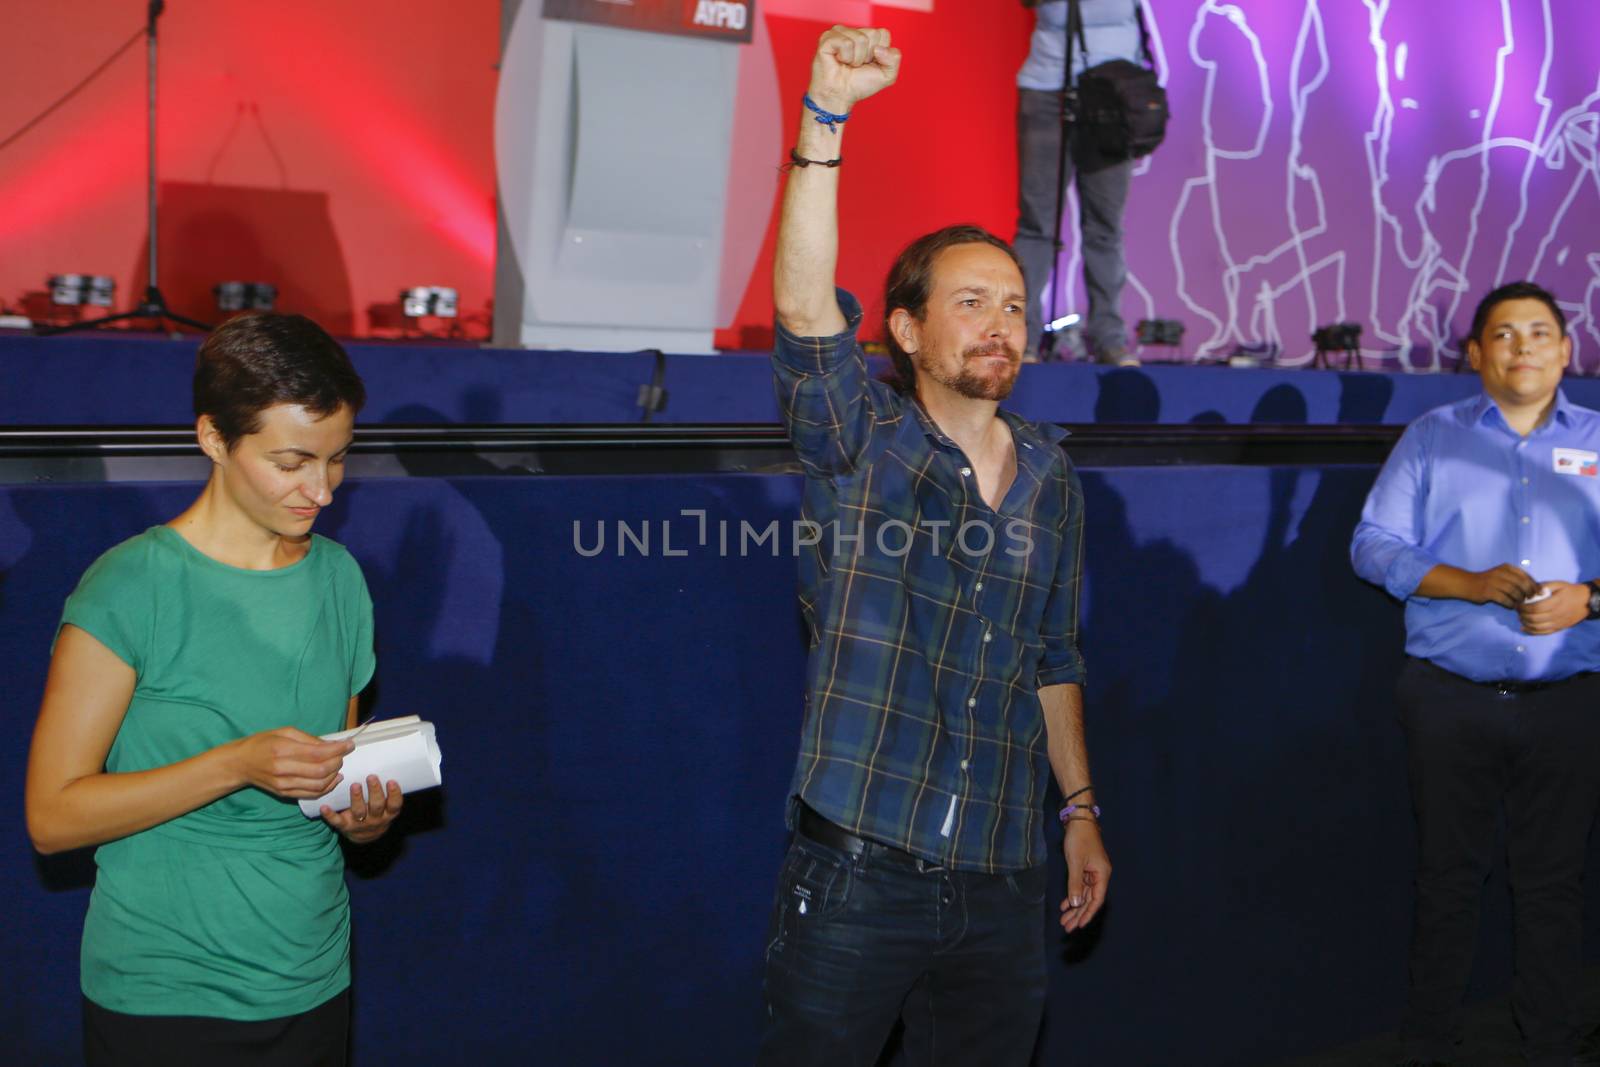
825,832
1510,687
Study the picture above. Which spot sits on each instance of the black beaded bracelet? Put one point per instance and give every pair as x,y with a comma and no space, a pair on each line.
797,160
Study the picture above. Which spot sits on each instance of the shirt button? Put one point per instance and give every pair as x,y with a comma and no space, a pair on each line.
1521,649
1527,563
1525,520
987,636
966,472
1524,481
963,764
972,702
978,588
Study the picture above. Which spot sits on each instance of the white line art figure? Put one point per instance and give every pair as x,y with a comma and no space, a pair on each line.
1476,134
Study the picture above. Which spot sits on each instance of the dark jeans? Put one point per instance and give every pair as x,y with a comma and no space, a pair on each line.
316,1038
853,940
1102,198
1472,751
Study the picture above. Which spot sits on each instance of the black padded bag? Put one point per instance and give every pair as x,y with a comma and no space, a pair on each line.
1121,106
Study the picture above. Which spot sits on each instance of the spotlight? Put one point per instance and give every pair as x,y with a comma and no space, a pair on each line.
1255,355
428,300
1338,337
1063,340
237,296
1160,332
71,290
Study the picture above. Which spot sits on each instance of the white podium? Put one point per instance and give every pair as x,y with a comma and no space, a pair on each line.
613,151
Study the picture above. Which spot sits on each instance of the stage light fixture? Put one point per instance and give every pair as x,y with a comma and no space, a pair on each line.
1063,340
1255,354
239,296
72,290
1160,332
428,300
1338,337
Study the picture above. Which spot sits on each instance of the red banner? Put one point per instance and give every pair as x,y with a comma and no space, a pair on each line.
723,20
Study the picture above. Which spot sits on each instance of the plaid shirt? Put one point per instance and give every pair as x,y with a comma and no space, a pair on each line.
934,620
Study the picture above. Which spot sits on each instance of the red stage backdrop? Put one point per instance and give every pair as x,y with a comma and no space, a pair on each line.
344,149
731,20
348,149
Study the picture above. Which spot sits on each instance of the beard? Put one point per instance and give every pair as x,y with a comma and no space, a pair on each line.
991,384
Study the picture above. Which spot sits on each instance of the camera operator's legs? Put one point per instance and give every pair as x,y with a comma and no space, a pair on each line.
1038,162
1102,198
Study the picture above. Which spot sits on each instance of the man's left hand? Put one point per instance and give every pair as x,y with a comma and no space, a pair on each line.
1088,874
368,816
1567,605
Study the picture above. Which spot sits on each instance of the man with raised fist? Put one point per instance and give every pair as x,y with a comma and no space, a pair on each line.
944,678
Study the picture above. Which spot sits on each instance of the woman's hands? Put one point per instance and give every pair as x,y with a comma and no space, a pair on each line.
295,765
367,817
289,763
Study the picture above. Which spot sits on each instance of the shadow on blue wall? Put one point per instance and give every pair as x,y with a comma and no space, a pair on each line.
619,731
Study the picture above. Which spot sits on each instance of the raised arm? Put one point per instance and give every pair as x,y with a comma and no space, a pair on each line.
849,66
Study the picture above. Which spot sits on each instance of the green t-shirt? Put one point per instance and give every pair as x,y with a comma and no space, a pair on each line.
237,909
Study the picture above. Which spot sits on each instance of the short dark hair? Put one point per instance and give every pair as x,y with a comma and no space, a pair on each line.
911,281
257,360
1514,291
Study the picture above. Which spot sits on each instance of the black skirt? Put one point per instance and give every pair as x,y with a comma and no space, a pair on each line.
316,1038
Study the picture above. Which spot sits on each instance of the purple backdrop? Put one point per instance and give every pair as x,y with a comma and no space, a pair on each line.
1379,161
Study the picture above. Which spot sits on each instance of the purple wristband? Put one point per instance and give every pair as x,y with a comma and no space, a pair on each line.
1066,813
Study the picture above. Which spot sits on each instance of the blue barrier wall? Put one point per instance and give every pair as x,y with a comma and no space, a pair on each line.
592,884
104,380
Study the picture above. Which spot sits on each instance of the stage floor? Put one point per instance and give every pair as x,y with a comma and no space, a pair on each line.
103,380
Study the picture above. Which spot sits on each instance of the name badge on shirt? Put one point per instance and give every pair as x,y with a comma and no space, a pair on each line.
1576,461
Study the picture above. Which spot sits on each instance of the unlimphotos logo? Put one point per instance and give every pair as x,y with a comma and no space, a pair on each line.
721,14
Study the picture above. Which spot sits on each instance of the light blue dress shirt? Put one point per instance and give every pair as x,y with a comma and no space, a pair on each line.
1111,28
1461,487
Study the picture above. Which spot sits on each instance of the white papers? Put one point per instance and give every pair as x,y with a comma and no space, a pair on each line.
400,750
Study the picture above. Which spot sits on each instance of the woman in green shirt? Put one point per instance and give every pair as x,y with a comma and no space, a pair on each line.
195,665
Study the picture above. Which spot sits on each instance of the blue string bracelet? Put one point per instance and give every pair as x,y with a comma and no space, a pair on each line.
823,116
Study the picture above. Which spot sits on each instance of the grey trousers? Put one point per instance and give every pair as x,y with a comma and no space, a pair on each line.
1102,196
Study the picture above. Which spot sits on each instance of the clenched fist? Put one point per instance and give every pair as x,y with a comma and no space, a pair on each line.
851,65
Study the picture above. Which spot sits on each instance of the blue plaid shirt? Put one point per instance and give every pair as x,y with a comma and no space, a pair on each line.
934,619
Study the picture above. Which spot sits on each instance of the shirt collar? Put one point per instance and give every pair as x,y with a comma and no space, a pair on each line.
1562,412
1037,442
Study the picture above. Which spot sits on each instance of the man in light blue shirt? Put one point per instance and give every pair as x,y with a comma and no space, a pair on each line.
1485,521
1111,31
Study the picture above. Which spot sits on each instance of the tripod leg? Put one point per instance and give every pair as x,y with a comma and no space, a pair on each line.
185,320
89,324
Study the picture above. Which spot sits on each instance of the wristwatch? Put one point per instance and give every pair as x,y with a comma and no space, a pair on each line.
1594,599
